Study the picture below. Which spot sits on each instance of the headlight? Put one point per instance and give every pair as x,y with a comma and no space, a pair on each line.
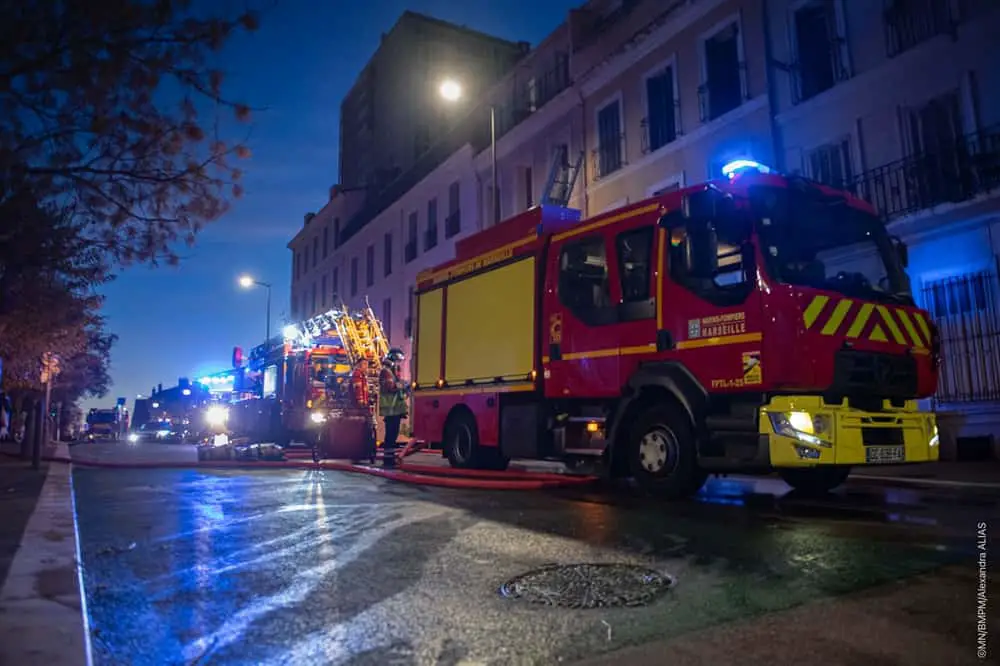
216,416
317,417
133,437
801,426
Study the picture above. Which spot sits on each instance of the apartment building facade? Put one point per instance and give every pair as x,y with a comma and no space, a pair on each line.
379,264
391,115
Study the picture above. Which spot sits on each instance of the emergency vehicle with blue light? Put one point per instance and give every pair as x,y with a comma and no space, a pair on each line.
756,323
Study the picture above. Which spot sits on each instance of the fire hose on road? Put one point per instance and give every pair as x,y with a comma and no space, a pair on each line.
426,475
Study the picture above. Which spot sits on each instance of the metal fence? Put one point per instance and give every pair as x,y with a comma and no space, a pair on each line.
965,311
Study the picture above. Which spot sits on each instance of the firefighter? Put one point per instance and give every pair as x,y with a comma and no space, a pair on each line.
391,402
359,381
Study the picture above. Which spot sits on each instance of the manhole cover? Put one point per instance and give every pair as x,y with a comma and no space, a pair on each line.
588,585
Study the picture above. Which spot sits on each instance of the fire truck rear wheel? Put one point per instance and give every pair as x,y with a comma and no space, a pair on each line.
662,453
815,481
461,440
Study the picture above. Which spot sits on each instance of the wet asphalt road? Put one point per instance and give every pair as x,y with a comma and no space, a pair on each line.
306,567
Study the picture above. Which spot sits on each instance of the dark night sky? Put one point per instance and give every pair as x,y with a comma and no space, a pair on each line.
184,321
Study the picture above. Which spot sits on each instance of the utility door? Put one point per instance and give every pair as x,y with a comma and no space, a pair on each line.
579,334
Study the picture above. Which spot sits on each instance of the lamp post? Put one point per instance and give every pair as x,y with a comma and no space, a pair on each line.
451,91
248,282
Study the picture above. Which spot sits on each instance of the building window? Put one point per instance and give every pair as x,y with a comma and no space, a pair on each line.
335,286
410,252
831,164
965,311
370,266
322,293
326,241
453,225
531,90
431,235
313,298
354,276
908,23
387,255
529,188
820,48
584,287
296,264
724,74
336,233
295,306
661,102
666,186
315,250
610,140
387,317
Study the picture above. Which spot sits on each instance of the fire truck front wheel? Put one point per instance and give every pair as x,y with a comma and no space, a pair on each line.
662,453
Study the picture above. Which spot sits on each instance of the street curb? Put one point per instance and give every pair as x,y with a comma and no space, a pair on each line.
44,614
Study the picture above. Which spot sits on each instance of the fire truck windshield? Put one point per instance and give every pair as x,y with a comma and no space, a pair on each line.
812,240
101,417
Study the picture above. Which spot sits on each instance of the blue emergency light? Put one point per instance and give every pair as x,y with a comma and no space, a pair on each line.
737,166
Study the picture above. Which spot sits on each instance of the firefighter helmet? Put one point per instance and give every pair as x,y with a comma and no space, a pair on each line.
395,356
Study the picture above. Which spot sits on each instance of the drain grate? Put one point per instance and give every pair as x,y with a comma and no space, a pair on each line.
588,586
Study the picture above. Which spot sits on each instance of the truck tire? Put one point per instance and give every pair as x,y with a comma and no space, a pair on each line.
815,480
461,441
461,446
662,453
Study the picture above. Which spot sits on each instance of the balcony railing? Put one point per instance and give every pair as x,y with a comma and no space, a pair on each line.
715,101
807,82
430,238
912,22
950,174
609,156
452,224
410,251
659,132
965,311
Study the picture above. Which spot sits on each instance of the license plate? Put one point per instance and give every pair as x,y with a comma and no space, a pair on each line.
882,455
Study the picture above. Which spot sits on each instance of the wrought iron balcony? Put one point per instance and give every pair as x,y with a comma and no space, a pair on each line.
715,100
659,132
452,224
809,80
908,23
950,174
609,156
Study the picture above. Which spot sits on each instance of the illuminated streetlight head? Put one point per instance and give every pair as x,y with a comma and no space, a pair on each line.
451,90
246,281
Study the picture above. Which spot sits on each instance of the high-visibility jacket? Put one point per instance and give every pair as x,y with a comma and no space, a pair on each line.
391,397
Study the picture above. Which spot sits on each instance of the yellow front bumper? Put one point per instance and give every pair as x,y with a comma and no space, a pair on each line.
848,436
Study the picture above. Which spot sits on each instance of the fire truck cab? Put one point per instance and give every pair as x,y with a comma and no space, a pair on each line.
756,323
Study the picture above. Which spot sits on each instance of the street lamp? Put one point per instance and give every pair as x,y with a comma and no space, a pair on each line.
248,282
451,91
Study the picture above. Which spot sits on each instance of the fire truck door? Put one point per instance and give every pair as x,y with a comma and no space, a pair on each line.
633,271
579,349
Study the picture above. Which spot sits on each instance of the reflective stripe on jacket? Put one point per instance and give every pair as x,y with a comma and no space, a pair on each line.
391,400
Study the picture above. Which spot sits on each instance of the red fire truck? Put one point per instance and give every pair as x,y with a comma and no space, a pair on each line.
757,323
284,391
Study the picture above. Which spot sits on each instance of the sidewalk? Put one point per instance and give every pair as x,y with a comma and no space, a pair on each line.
41,614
